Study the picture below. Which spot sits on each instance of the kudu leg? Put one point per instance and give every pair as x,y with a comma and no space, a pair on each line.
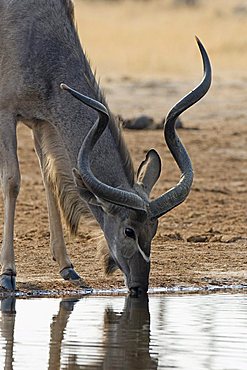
7,328
58,327
10,181
57,243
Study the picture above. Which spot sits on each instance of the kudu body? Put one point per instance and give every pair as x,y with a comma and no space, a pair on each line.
40,49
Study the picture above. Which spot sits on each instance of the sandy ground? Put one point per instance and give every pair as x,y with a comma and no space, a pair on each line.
200,242
203,240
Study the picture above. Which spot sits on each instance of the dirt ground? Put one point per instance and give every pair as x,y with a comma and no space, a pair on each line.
201,242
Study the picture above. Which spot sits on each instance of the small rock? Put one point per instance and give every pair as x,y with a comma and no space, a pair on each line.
140,123
216,239
172,236
212,231
160,126
230,239
197,239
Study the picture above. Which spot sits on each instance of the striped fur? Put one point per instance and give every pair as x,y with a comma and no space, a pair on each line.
58,172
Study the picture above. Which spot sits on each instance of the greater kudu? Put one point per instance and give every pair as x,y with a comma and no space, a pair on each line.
40,49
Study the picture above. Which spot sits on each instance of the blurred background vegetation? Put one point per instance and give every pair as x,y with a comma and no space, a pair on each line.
156,37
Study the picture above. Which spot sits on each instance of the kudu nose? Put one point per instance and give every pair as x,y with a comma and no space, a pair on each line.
136,292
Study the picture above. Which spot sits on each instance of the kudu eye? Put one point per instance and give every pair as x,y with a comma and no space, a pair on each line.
130,233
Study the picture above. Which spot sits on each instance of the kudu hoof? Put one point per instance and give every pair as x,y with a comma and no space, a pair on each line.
137,292
68,273
68,304
8,305
7,281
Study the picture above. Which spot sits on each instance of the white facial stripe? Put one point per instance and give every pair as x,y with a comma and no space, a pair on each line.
146,258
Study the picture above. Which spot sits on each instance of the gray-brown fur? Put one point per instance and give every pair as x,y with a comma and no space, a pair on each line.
56,169
40,49
104,255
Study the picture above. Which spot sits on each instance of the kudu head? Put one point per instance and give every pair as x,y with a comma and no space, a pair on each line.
130,217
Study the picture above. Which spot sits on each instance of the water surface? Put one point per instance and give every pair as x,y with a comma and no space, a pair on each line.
163,332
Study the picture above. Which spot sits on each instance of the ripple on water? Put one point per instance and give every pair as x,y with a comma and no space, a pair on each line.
118,332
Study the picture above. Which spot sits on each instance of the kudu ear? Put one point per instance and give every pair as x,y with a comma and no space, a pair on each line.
88,196
149,171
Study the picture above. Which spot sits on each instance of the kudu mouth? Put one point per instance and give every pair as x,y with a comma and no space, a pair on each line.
137,292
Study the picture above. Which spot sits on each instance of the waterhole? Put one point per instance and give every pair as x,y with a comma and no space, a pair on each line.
189,331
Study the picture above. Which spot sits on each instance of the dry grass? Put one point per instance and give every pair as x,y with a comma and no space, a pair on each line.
157,38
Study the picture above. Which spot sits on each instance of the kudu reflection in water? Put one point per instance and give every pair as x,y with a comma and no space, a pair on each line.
7,326
126,337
